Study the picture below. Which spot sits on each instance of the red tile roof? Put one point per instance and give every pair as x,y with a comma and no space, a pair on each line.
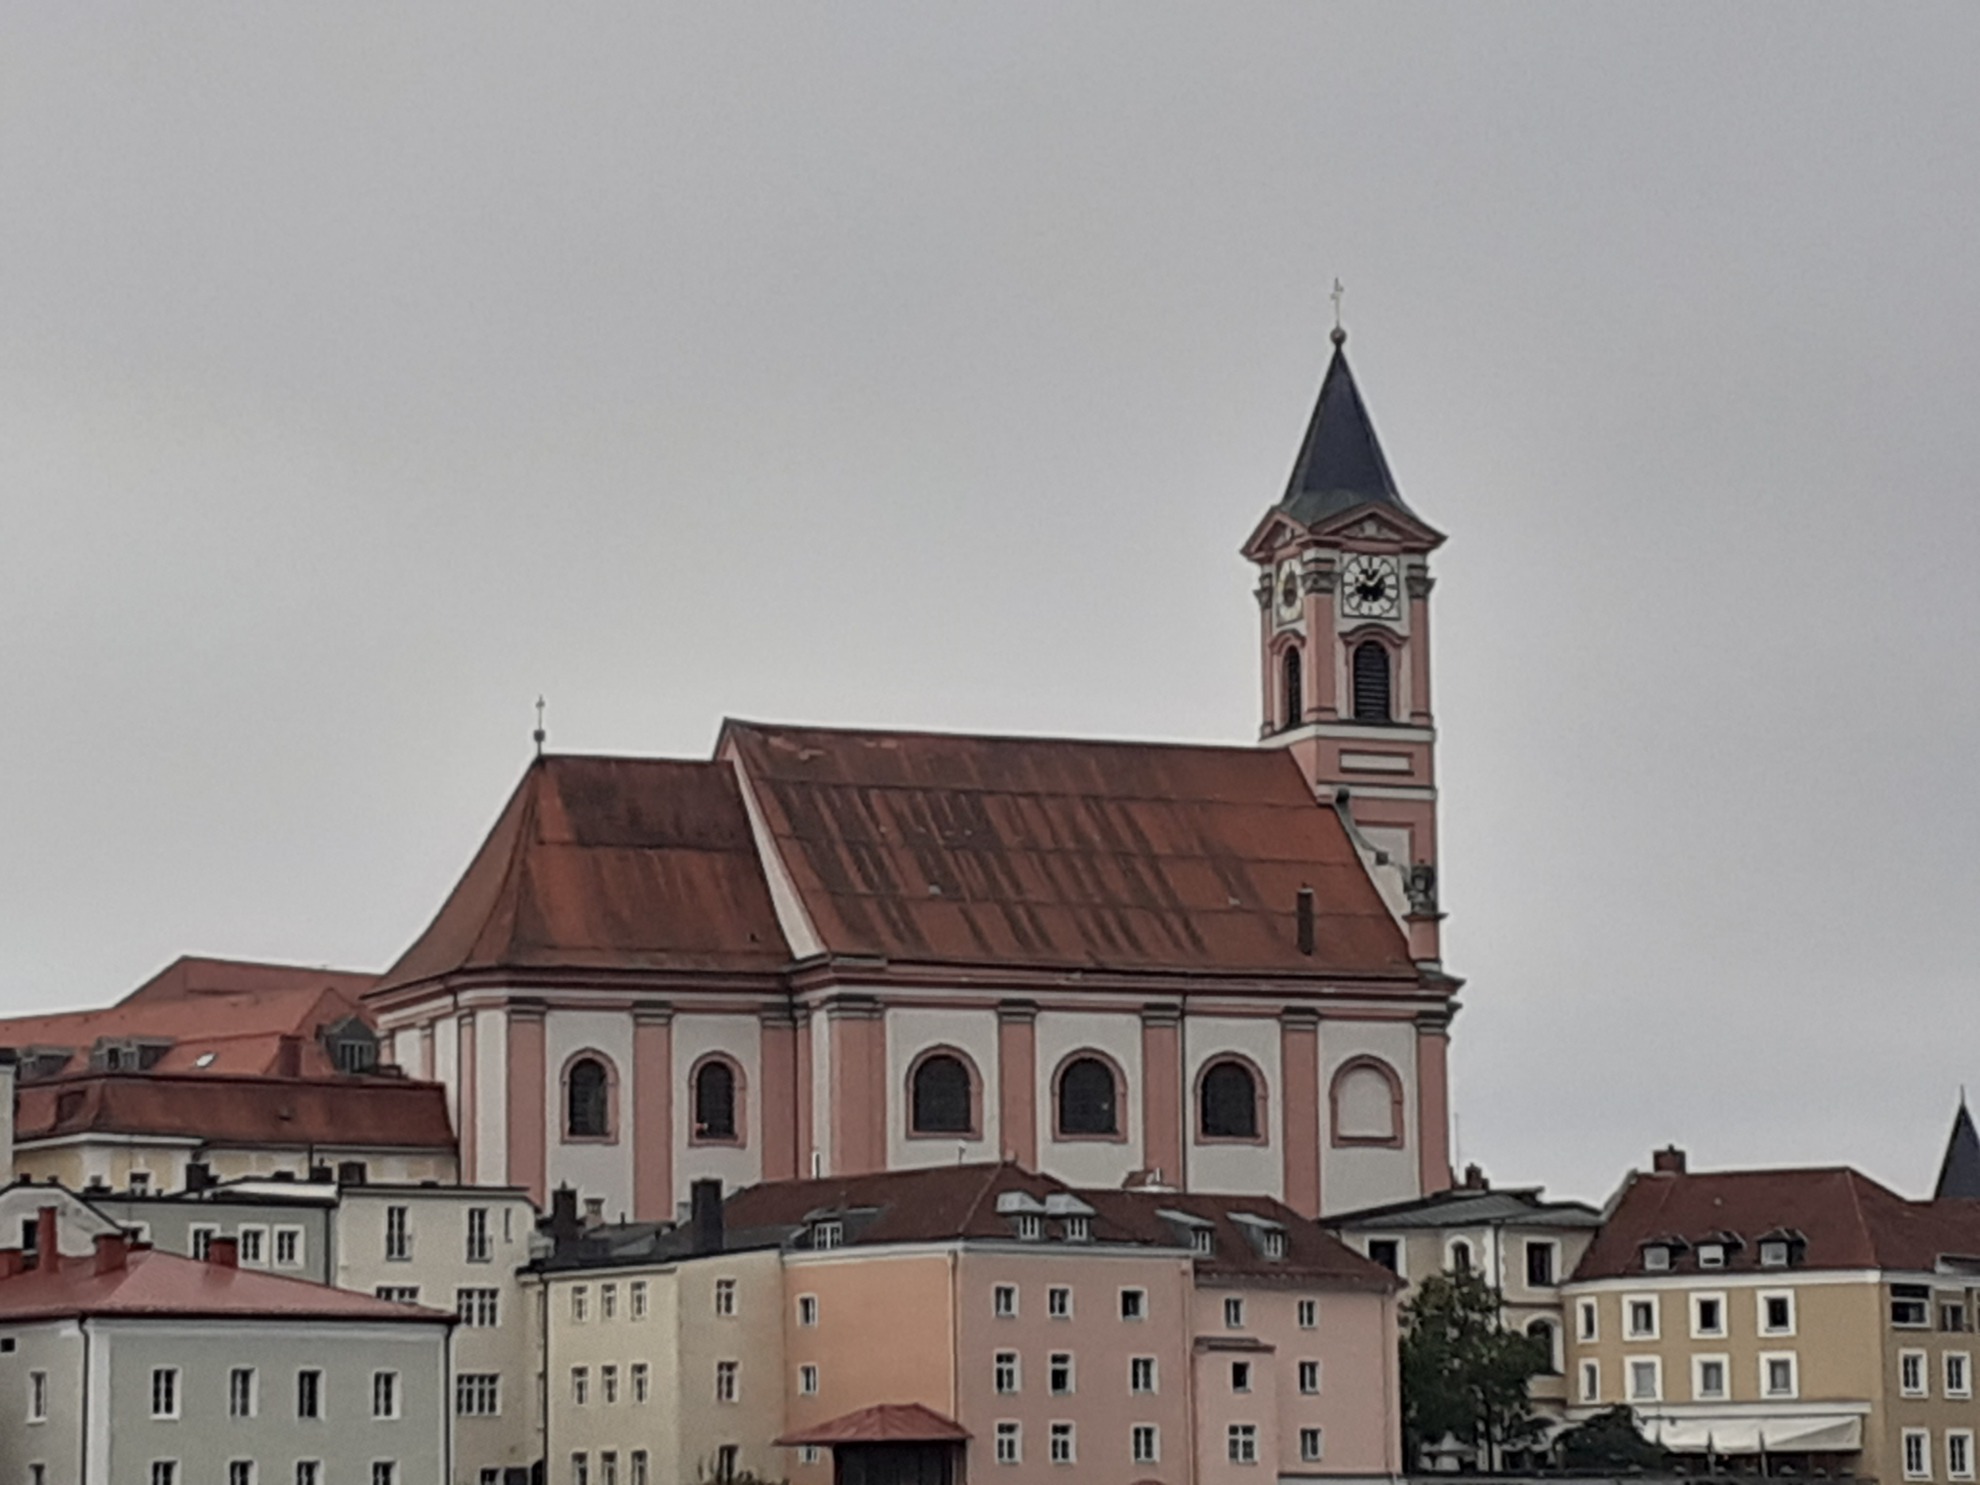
1038,852
889,1423
1313,1255
161,1285
612,864
343,1113
1845,1219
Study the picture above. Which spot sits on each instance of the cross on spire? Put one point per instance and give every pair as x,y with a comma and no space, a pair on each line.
539,734
1339,336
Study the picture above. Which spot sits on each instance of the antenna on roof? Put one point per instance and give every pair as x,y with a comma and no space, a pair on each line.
539,734
1339,336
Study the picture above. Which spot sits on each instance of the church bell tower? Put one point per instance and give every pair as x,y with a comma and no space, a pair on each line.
1344,647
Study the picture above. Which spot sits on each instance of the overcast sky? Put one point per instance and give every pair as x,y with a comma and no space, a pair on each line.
366,371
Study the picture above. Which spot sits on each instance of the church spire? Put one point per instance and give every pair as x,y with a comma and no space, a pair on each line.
1340,463
1959,1172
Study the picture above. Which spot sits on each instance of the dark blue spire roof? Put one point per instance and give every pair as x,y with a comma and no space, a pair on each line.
1340,464
1959,1172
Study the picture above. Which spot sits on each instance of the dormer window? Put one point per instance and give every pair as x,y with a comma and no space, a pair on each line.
1711,1255
1657,1257
1202,1240
828,1234
1030,1227
1275,1243
1079,1229
1774,1253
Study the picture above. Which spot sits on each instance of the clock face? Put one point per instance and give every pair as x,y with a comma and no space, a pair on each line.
1288,592
1371,588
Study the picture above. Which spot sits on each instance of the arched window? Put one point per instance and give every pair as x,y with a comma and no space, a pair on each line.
941,1099
1460,1257
1293,703
588,1100
1371,682
1542,1333
1227,1102
715,1101
1367,1104
1087,1098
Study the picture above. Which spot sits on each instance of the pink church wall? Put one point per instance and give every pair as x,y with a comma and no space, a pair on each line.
653,1116
1299,1058
1017,1085
859,1089
528,1118
780,1102
1162,1112
1433,1118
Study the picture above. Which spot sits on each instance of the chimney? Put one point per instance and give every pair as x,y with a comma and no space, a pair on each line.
113,1251
224,1252
705,1216
1474,1179
1303,919
9,1076
46,1236
199,1175
563,1223
321,1175
288,1057
1668,1161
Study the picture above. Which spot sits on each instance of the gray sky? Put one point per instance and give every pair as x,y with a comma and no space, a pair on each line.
367,370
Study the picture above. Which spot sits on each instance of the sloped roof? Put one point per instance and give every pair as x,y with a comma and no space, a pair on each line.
345,1112
1959,1172
235,1009
159,1285
1846,1220
887,1423
1340,463
1313,1255
1462,1208
1047,853
608,863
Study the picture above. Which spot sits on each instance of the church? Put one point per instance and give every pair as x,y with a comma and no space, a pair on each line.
827,951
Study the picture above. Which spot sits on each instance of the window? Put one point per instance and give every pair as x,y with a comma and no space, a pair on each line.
1777,1312
725,1382
1292,694
1134,1304
1542,1333
1708,1378
37,1397
580,1469
1540,1264
1591,1381
1657,1257
608,1467
941,1098
1310,1445
1241,1443
1959,1453
1059,1372
1087,1098
1640,1312
1910,1305
608,1384
253,1249
479,1309
1275,1243
398,1294
1030,1227
1959,1374
1777,1374
200,1238
479,1247
309,1472
725,1297
1917,1454
1371,682
725,1461
1952,1315
384,1394
1387,1252
587,1100
608,1301
1003,1301
37,1474
478,1394
1460,1257
1141,1374
240,1472
1004,1371
288,1247
398,1235
1010,1444
240,1392
828,1234
808,1380
1233,1313
165,1392
715,1101
1079,1229
1309,1377
1202,1240
807,1309
164,1472
1708,1315
1308,1311
580,1385
1646,1379
1365,1102
1586,1317
1773,1254
639,1464
641,1382
309,1394
1058,1302
384,1472
1227,1100
580,1303
1911,1374
1711,1255
1240,1376
1062,1443
1145,1444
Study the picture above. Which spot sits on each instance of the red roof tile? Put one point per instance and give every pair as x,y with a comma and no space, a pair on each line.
612,864
889,1423
158,1284
1313,1255
1039,852
344,1113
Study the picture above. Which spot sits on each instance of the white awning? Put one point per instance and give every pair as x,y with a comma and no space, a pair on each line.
1791,1433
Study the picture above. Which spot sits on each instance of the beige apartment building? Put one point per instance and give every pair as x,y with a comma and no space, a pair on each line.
1810,1317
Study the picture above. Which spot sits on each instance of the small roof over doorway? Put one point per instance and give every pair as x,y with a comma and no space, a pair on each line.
887,1423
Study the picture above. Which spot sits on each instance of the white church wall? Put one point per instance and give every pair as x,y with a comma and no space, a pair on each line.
739,1038
914,1030
491,1096
1117,1036
1355,1176
596,1168
1253,1169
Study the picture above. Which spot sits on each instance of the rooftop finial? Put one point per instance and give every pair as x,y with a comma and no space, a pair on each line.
1339,337
539,734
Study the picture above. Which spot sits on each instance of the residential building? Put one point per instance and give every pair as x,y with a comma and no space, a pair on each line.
1519,1242
1812,1317
136,1365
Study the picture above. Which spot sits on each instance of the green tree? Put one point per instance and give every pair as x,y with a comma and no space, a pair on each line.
1610,1440
1463,1373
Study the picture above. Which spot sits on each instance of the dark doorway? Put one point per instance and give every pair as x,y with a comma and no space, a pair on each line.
896,1464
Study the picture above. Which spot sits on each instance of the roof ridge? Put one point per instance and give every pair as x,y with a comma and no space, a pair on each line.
1250,750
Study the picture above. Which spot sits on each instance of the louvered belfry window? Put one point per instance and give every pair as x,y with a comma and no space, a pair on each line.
941,1096
1294,703
1371,682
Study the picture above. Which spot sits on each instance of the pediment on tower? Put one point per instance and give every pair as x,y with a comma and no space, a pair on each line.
1275,532
1375,522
